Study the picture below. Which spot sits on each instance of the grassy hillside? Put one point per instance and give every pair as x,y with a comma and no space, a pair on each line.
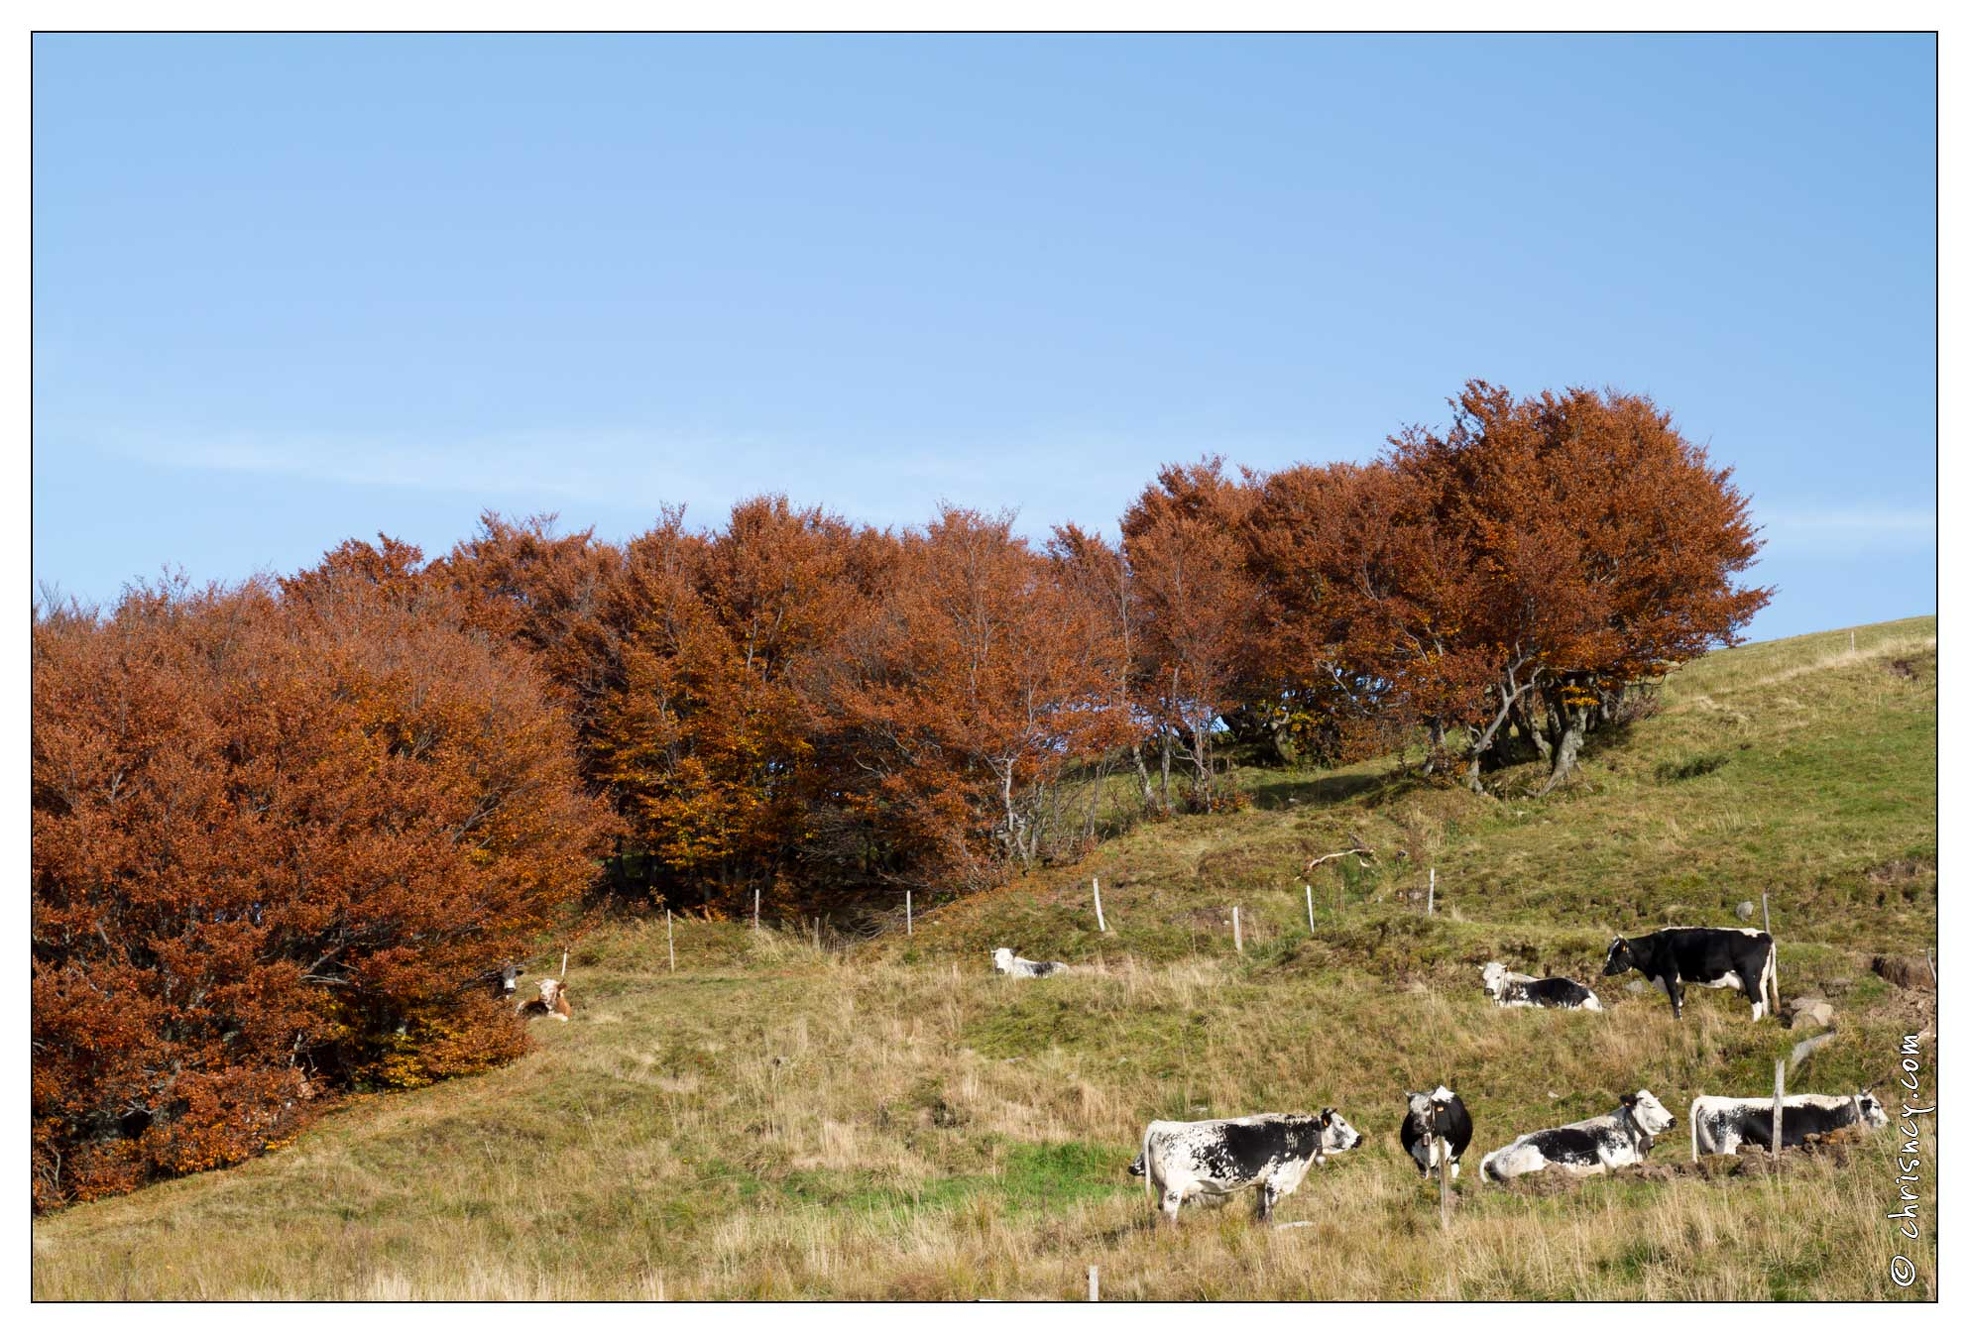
895,1121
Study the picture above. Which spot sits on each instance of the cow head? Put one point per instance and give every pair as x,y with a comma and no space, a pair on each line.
1426,1107
1002,960
1493,975
509,978
550,990
1619,957
1648,1113
1336,1136
1872,1115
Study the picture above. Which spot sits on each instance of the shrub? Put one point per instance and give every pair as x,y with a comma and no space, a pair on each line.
278,837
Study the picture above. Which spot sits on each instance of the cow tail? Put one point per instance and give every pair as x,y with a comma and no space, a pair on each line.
1770,978
1484,1168
1695,1136
1148,1177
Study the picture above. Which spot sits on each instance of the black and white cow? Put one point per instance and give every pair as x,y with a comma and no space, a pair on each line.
1619,1139
1510,989
1723,1125
1708,956
1429,1115
1005,961
507,980
1185,1159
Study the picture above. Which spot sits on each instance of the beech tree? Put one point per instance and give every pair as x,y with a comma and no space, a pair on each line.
1185,543
1599,547
976,685
278,838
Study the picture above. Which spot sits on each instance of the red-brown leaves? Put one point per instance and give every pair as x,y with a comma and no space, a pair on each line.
1549,550
268,833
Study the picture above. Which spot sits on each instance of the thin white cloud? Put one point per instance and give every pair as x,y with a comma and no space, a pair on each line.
1841,530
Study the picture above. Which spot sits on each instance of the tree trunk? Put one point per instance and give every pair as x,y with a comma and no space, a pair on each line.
1530,730
1205,778
1437,744
1142,772
1567,753
1168,745
1101,772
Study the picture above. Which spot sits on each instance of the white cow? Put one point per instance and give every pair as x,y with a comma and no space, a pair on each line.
1006,962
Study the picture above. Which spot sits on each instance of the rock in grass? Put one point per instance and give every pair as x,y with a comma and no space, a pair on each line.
1905,972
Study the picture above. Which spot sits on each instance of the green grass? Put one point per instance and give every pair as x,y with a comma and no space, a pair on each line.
772,1121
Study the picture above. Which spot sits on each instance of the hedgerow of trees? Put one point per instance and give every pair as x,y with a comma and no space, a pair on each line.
283,831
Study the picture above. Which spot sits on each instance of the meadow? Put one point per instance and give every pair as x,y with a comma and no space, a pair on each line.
888,1119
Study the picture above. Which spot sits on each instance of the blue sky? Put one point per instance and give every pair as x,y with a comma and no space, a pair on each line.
294,289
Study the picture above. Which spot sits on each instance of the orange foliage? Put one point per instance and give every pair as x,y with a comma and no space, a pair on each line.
277,841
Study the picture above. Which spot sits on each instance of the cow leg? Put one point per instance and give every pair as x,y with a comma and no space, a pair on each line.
1171,1202
1267,1197
1674,989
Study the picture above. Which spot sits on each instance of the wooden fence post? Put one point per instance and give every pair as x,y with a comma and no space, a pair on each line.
1310,926
563,965
1093,1283
1432,891
755,908
1099,920
908,913
1237,931
1766,896
670,930
1777,1118
1442,1171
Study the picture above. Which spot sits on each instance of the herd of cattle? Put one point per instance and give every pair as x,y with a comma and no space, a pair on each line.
1272,1152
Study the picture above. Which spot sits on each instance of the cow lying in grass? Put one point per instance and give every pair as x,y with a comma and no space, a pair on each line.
1723,1125
1619,1139
1012,965
1511,989
1182,1160
552,1000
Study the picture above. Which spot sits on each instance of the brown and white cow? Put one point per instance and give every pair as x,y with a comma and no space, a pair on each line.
552,1000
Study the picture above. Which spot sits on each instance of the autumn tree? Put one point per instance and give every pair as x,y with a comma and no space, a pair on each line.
550,594
708,744
969,692
279,834
1097,573
1357,593
1185,543
1599,546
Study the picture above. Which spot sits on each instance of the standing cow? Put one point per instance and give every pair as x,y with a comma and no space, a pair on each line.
1432,1115
1619,1139
1185,1159
1723,1125
1707,956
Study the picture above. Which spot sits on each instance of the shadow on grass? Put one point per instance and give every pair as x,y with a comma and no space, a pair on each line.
1327,790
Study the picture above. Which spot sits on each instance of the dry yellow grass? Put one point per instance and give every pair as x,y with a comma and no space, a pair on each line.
812,1128
772,1121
